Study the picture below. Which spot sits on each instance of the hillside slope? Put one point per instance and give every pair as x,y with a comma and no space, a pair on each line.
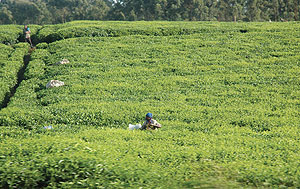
227,95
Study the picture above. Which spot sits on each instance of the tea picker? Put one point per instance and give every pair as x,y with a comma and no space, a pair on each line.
27,35
149,124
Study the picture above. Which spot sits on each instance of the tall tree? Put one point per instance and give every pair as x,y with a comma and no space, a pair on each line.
54,11
25,12
193,10
6,16
173,10
253,11
275,12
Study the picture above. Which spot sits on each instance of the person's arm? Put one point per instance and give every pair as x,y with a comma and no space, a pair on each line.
144,126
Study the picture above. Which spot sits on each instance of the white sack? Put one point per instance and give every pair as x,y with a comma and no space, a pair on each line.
63,61
134,127
54,83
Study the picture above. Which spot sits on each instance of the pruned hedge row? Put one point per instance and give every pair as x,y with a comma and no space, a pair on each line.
107,80
228,103
57,32
12,34
110,158
9,34
25,97
11,61
115,158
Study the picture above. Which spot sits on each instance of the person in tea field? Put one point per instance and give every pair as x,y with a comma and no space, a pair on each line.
27,32
150,124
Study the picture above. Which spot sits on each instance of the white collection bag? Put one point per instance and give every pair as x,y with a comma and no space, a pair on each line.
134,127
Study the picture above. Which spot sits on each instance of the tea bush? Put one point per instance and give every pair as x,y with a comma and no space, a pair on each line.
11,57
11,62
168,158
12,34
9,34
73,29
227,100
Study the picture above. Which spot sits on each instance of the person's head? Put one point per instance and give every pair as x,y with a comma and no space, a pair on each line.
25,26
148,116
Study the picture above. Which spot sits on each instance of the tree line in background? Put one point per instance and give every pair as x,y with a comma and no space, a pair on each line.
53,11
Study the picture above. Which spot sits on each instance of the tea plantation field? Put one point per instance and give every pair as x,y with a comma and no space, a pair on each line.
226,94
11,61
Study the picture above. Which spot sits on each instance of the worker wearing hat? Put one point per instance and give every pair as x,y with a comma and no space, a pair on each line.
27,35
150,124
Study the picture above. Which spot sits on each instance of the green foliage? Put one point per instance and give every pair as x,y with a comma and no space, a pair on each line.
42,46
9,34
51,11
11,61
225,93
35,69
75,29
104,158
54,12
119,158
12,34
